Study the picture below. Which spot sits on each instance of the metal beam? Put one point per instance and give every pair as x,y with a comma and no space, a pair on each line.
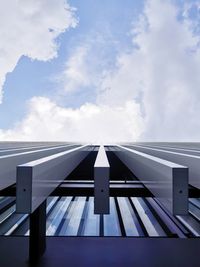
87,189
167,181
168,148
101,183
5,152
14,145
37,179
8,163
191,161
185,145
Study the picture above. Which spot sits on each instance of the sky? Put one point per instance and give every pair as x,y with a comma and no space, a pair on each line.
99,70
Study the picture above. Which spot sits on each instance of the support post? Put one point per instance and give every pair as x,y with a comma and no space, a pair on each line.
37,238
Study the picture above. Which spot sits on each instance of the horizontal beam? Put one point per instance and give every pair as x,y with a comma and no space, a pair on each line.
191,161
167,181
87,189
101,183
115,190
8,163
36,180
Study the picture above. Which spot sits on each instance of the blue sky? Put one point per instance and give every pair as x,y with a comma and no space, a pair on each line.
34,78
111,56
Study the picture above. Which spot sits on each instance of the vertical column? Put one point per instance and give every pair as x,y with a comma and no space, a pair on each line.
37,239
101,183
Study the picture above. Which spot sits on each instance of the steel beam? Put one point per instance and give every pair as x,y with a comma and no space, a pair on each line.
191,161
8,163
87,189
173,149
14,145
5,152
101,183
167,181
185,145
37,179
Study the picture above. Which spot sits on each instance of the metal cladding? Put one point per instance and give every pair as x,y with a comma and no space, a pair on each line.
127,190
37,179
101,183
164,168
166,180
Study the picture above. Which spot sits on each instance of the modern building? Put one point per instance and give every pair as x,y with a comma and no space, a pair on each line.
69,204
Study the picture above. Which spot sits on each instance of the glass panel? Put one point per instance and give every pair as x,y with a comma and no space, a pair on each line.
6,214
128,219
9,222
50,202
17,224
73,217
194,211
56,216
111,222
151,224
91,225
191,223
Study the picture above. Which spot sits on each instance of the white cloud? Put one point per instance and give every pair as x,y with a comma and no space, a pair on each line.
75,74
152,94
30,28
89,123
162,74
86,63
